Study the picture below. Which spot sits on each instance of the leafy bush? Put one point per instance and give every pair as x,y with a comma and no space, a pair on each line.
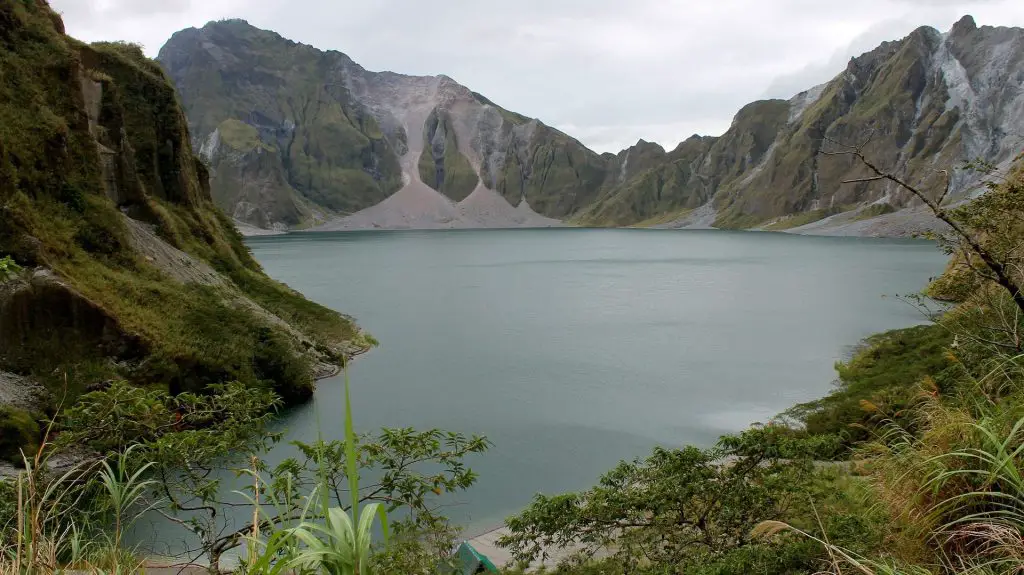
8,269
678,507
18,430
879,382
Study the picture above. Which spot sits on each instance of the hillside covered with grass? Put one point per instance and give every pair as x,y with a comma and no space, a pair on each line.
120,267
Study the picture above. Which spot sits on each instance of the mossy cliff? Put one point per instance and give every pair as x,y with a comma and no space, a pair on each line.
310,146
129,271
442,166
553,172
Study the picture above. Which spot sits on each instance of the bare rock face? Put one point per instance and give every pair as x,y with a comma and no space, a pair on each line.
298,137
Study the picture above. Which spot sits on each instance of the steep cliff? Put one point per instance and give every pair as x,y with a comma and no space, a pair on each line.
298,137
919,105
127,270
332,138
690,175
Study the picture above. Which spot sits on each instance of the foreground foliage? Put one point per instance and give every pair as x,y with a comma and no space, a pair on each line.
174,456
686,507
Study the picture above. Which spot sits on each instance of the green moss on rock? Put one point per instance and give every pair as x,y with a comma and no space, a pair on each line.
331,151
19,431
241,136
441,165
555,173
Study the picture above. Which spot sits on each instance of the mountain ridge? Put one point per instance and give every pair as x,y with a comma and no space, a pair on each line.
443,143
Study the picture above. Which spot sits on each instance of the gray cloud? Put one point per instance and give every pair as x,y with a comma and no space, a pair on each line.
605,71
87,11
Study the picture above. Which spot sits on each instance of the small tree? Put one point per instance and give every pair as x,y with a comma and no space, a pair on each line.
195,441
676,508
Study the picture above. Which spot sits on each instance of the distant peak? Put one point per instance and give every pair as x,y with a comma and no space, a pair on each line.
965,24
925,32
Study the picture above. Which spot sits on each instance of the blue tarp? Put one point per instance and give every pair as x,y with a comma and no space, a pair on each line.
469,561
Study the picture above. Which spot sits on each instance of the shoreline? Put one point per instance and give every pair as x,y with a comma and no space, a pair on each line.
906,223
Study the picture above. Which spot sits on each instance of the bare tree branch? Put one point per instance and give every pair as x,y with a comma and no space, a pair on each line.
998,268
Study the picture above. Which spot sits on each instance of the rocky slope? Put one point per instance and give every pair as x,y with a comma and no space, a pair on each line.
918,105
126,269
297,137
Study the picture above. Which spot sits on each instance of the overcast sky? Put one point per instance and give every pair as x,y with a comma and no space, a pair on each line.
608,72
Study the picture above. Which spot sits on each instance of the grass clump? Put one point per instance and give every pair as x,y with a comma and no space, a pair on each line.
882,378
241,136
873,211
802,219
8,268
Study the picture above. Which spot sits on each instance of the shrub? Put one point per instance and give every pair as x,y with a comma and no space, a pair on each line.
18,430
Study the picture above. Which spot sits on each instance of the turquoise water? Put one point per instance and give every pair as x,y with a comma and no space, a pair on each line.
572,349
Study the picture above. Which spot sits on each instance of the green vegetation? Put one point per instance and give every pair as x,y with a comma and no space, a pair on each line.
665,218
107,301
557,175
168,453
802,219
324,147
680,507
442,166
241,136
18,430
339,543
168,364
8,269
748,191
886,375
911,466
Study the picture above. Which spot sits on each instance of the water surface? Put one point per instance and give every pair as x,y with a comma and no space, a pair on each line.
572,349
